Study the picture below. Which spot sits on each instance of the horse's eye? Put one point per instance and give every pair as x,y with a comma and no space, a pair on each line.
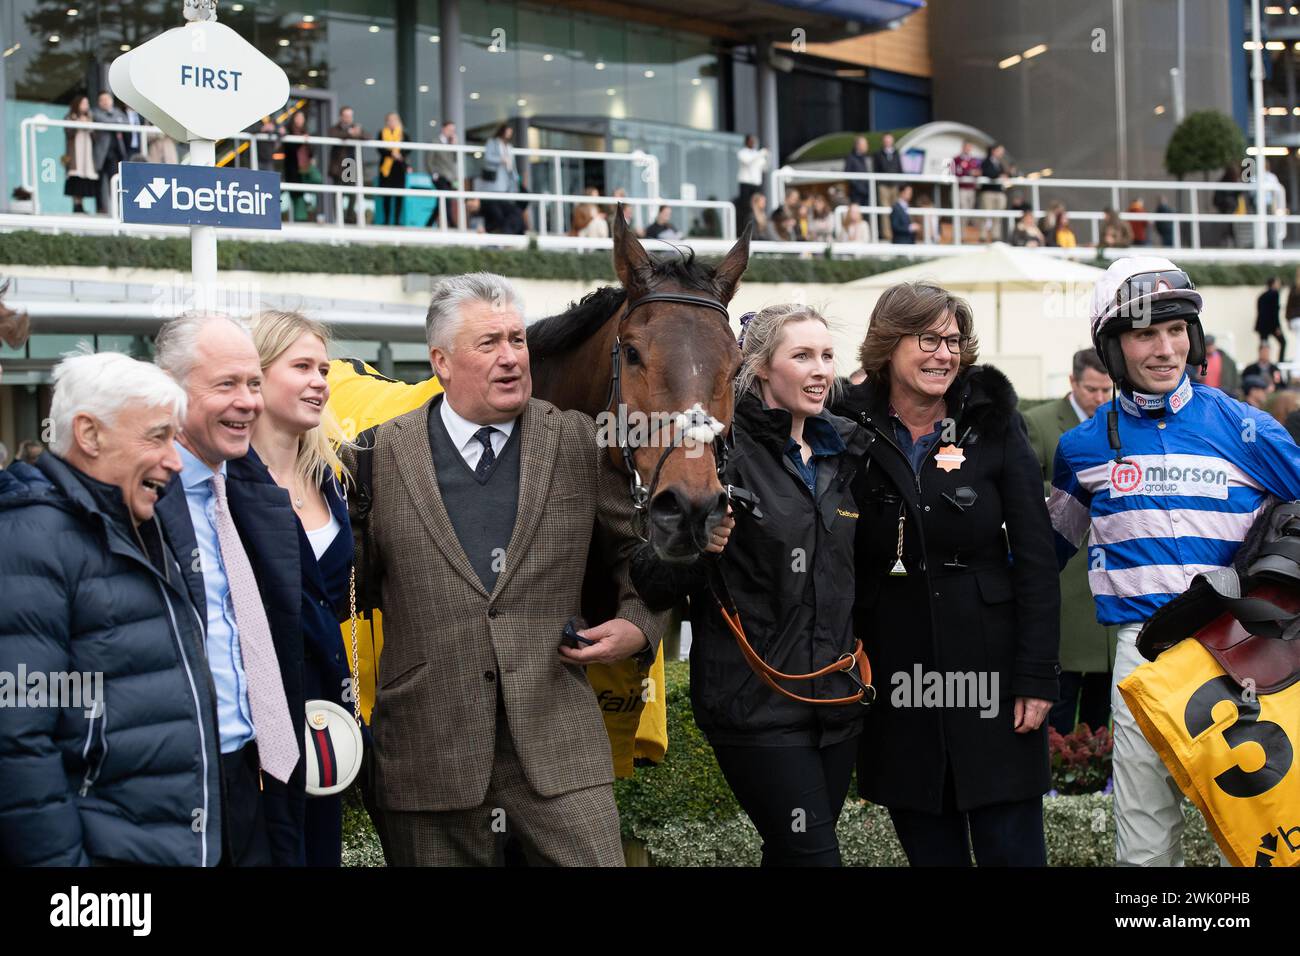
633,356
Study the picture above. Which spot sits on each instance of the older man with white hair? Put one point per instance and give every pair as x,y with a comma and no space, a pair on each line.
99,636
484,504
239,542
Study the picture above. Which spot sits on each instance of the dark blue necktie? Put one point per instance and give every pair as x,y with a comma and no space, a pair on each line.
488,458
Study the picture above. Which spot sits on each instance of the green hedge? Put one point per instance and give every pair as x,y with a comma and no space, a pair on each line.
683,814
132,252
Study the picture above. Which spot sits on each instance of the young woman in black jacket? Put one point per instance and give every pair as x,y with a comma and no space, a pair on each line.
958,593
788,566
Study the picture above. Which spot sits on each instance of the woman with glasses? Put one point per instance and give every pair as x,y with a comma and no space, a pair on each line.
957,590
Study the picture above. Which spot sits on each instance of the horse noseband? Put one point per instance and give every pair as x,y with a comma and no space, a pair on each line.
691,424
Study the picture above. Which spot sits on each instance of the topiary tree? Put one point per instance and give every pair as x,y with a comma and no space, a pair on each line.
1206,141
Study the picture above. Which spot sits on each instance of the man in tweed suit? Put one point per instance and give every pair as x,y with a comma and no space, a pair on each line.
484,503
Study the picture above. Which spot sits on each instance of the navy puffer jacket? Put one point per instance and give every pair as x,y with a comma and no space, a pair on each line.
137,778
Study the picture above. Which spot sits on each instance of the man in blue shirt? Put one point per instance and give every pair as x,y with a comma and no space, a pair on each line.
237,542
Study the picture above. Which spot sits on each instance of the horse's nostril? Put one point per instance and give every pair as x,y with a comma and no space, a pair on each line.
666,507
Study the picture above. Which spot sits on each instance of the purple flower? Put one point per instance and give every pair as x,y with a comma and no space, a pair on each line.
1110,785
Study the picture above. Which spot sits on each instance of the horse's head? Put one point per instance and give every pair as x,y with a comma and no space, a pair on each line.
677,360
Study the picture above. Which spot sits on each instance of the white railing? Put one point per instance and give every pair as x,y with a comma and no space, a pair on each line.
1114,189
550,206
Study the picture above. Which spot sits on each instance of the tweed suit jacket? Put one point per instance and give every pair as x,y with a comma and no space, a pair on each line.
1086,646
448,641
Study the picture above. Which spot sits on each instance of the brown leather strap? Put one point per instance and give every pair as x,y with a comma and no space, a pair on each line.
770,675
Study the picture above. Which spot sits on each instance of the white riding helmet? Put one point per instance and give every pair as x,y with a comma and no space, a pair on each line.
1138,291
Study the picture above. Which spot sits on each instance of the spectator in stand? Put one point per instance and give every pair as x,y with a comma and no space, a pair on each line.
1115,232
109,148
1220,369
1064,235
79,157
474,215
1227,202
1264,368
588,223
162,149
1139,226
904,230
1255,390
268,142
343,159
1047,225
854,227
794,208
966,166
781,228
1268,322
887,160
758,214
993,194
499,174
753,163
392,169
929,230
442,169
299,165
821,220
858,161
1026,233
1165,228
28,451
662,227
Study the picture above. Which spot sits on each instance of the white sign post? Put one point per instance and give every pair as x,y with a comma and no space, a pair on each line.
200,83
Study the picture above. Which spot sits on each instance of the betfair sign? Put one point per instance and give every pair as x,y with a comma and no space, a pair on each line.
163,194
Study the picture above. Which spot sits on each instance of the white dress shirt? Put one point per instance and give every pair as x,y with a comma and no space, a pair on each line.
461,431
1077,410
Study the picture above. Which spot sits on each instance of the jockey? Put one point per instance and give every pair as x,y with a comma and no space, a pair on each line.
1168,477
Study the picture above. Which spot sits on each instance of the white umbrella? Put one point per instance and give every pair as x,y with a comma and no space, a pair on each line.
997,267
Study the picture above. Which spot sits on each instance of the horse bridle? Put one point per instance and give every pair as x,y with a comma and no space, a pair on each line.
686,422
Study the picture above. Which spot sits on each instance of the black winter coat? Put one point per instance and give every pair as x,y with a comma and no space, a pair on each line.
790,574
972,601
81,592
268,529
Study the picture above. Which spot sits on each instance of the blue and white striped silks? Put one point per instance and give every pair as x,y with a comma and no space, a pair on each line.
1191,484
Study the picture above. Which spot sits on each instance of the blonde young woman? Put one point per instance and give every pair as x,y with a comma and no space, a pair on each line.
294,446
786,761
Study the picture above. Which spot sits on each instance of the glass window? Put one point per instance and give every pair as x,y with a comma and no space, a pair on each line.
489,53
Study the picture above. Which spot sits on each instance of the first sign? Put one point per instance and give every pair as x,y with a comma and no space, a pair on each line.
199,81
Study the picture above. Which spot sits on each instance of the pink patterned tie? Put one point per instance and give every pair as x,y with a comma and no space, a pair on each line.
277,745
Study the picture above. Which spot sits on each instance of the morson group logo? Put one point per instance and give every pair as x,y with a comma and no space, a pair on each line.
1125,476
1182,475
158,193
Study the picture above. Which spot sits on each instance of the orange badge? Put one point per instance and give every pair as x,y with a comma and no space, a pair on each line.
950,457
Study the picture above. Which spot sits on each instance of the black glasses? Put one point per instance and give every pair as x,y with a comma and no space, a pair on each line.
929,342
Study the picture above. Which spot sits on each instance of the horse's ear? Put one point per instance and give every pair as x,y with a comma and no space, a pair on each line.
727,275
631,261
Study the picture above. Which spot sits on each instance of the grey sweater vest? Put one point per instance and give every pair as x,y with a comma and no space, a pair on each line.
483,515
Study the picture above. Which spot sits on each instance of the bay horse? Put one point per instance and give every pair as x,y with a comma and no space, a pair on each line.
662,348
